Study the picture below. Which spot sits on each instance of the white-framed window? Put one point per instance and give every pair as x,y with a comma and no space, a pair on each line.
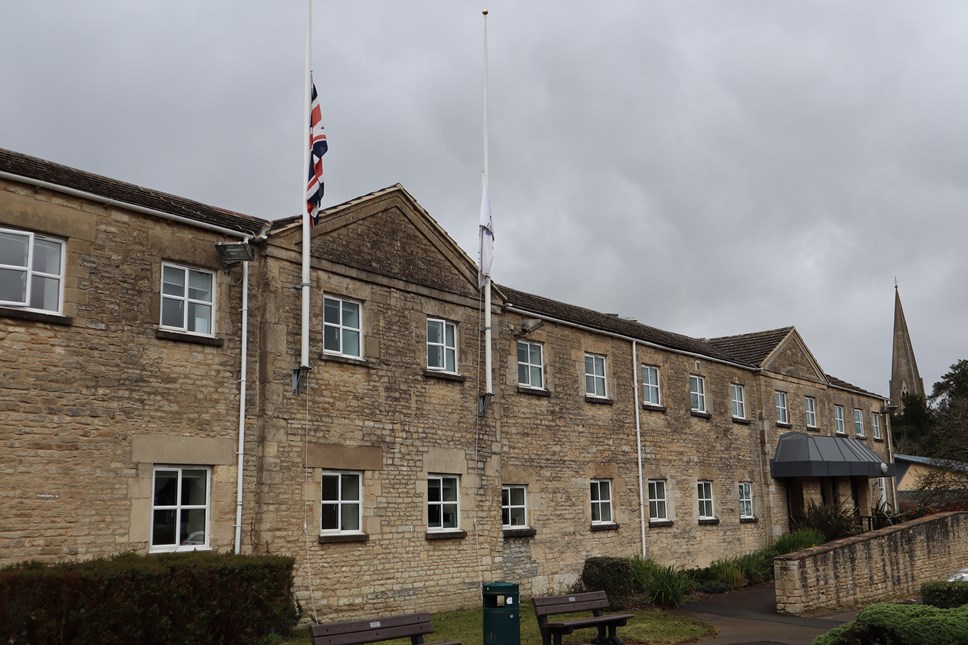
650,385
31,270
858,422
738,398
180,508
697,393
187,299
746,500
441,345
342,327
443,506
839,419
658,506
530,364
601,490
705,494
810,411
875,426
595,376
342,502
782,412
514,506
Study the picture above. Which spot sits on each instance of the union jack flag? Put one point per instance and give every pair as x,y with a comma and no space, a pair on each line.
317,148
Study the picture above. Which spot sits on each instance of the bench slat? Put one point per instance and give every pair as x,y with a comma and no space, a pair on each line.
356,632
594,601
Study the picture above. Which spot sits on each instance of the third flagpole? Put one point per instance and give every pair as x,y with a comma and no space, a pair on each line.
488,388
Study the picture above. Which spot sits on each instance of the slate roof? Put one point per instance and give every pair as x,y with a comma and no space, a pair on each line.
751,348
836,382
23,165
614,324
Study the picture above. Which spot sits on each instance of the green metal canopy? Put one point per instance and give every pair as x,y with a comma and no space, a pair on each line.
804,455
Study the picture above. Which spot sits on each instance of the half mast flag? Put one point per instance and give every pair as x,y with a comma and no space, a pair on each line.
487,238
317,148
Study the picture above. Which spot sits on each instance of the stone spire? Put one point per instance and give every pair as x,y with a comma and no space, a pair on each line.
905,378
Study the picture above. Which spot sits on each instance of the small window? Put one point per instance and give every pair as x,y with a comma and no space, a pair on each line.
858,422
746,500
443,509
697,393
650,385
31,270
187,299
530,364
810,411
738,396
342,329
782,413
595,376
601,501
180,508
342,510
658,507
441,345
514,506
705,494
875,426
839,419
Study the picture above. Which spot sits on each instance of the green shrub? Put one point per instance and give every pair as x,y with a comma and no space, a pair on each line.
167,598
713,586
661,585
833,521
756,567
798,541
902,625
728,572
945,594
612,575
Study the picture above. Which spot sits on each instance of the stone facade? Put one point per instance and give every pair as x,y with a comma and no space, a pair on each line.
98,395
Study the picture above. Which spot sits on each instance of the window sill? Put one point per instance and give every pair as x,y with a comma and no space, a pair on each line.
780,424
182,337
653,408
709,521
36,316
701,414
533,391
860,436
444,376
348,537
519,533
659,524
446,535
612,526
748,520
345,360
741,421
598,400
880,439
813,428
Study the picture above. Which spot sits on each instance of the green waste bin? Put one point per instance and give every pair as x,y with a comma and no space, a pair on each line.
502,619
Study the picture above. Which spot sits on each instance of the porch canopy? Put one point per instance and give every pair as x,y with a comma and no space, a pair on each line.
805,455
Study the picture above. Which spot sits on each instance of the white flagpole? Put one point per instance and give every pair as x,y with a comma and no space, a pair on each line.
306,251
488,384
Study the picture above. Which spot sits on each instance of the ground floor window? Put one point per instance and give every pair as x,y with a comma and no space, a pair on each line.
745,499
342,502
180,508
514,506
601,501
658,510
442,502
705,490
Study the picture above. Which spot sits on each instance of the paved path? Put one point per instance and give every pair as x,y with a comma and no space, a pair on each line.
748,616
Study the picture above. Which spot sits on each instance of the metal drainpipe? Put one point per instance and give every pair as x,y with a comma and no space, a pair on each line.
242,383
638,443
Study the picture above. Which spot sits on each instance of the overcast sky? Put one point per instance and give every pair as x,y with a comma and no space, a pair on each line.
707,167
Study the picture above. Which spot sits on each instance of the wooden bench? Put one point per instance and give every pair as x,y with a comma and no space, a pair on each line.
594,601
374,630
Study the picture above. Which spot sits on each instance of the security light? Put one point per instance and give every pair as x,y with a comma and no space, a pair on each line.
231,253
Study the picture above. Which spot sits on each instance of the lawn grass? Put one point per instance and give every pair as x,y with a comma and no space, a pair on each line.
650,626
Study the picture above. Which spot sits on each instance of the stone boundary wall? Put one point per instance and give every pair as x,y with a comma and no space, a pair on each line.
889,563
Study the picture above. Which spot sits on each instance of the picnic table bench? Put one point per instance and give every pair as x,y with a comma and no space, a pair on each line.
595,601
374,630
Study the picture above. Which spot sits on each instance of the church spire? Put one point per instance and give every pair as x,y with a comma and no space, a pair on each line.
905,378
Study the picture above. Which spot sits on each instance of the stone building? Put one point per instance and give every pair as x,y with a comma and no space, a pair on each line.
138,371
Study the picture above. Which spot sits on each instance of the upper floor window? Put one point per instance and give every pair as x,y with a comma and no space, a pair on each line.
839,419
650,385
697,393
738,396
342,499
180,508
745,499
810,411
875,425
443,507
858,422
441,345
514,506
342,330
601,501
187,299
530,364
31,270
595,375
782,413
658,507
705,495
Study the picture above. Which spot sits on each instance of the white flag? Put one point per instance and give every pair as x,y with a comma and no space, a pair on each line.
487,238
